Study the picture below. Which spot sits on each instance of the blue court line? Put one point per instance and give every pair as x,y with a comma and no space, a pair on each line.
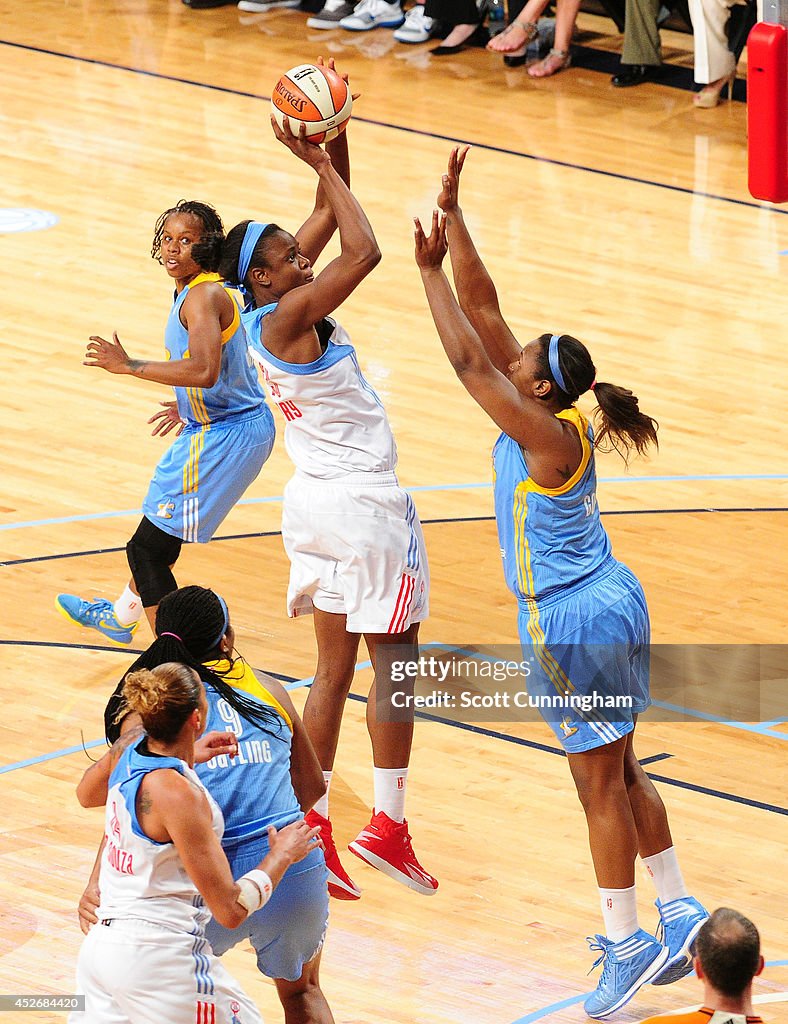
424,522
546,1011
762,728
295,684
692,478
502,150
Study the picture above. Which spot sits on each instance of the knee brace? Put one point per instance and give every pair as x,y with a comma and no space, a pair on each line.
151,552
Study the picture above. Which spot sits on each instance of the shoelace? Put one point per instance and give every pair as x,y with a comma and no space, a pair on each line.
599,943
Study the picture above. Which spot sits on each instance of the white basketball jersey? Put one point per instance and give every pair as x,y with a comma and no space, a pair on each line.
139,877
335,424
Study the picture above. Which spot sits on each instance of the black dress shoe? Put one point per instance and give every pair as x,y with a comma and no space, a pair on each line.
515,60
634,74
479,37
205,5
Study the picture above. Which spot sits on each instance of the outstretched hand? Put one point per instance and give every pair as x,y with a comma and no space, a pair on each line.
309,152
450,192
342,74
431,249
109,355
167,419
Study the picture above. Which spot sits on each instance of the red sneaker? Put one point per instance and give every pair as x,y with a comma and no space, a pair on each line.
340,885
385,844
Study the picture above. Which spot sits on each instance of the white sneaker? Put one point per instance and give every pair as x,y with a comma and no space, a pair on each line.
418,28
258,6
373,14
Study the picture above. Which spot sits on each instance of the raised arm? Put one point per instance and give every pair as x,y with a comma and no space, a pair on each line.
206,312
525,420
317,229
290,327
476,292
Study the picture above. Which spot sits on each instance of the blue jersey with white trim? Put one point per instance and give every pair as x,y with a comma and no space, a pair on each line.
253,789
335,423
551,538
238,389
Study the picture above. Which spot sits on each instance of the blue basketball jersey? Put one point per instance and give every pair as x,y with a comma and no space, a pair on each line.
551,538
237,389
254,788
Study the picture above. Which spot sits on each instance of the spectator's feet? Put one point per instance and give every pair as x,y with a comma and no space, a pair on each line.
98,614
373,14
385,844
710,95
333,12
626,966
261,6
460,37
205,5
514,38
417,27
679,924
555,61
635,74
340,884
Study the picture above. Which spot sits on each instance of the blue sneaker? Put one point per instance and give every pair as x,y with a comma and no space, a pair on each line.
626,965
98,615
679,923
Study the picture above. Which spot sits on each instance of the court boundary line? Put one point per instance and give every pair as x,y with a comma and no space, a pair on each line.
501,150
295,684
87,517
424,522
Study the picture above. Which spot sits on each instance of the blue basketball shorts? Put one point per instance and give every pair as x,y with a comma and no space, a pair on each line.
588,652
289,930
206,471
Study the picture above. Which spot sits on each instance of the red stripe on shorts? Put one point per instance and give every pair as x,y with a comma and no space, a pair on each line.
402,607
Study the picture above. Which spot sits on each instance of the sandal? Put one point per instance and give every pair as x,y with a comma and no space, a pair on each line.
529,30
555,61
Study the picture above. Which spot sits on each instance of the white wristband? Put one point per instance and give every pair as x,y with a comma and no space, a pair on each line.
256,888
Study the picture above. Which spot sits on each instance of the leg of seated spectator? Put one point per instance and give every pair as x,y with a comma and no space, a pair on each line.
641,35
713,59
522,28
559,57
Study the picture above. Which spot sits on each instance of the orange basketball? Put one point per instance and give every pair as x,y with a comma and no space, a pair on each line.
315,96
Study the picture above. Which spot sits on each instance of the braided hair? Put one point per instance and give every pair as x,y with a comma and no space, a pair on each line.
190,624
207,252
621,423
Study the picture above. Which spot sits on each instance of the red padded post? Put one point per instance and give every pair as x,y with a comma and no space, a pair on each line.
767,112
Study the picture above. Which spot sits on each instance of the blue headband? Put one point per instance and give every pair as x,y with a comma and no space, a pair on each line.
251,237
552,358
226,622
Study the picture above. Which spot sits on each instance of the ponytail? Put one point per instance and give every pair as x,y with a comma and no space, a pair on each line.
190,623
622,426
567,364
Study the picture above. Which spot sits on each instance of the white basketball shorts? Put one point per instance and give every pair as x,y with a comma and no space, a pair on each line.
356,549
136,972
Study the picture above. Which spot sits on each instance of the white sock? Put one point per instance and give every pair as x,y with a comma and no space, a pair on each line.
128,607
322,804
390,786
663,868
332,5
620,912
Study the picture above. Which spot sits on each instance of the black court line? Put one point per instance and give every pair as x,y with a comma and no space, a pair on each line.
502,150
520,742
116,649
424,522
466,726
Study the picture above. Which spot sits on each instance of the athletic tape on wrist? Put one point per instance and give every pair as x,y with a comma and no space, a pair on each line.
256,888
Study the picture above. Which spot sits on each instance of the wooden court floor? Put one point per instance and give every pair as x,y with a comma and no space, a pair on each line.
623,219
